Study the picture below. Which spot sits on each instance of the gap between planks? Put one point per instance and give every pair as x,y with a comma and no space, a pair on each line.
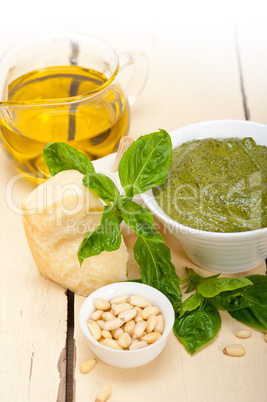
241,78
70,349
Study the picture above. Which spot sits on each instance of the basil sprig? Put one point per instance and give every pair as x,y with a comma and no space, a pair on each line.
145,165
197,320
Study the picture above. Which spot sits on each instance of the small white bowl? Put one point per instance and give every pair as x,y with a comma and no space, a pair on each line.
217,252
127,358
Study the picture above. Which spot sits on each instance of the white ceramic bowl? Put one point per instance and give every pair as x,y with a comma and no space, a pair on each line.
127,358
218,252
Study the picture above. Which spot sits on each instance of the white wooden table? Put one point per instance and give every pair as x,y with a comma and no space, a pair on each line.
197,72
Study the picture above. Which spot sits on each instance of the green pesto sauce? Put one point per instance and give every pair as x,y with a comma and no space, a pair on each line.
217,185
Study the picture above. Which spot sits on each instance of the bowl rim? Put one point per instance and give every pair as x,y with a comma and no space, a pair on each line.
90,338
151,203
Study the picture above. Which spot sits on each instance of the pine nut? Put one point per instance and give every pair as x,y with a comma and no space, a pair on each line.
125,340
101,323
87,366
151,323
107,316
104,394
127,315
137,300
138,345
96,315
101,304
119,308
111,343
151,337
139,329
126,321
113,324
94,329
243,333
160,325
106,334
116,333
265,337
150,310
138,317
129,327
119,299
234,350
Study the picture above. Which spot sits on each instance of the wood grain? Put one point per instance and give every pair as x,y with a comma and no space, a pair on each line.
32,311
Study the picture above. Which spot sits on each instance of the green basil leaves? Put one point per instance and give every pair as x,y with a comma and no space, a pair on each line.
59,156
198,327
146,162
197,319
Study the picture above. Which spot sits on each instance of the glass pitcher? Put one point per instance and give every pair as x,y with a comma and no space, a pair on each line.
65,87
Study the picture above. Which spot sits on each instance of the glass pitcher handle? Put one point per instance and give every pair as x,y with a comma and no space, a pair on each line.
133,85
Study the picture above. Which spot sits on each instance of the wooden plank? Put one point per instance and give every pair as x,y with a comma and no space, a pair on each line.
32,312
193,76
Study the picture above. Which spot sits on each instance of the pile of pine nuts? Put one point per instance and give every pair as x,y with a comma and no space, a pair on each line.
126,322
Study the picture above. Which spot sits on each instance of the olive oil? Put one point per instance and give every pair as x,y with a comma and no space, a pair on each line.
65,103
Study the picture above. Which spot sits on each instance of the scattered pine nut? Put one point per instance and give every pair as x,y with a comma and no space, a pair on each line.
234,350
104,394
87,366
265,337
243,333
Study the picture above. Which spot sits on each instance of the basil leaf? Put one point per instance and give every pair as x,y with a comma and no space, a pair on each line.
59,156
254,315
196,279
140,220
156,268
198,327
231,301
102,186
146,162
213,287
193,302
107,236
